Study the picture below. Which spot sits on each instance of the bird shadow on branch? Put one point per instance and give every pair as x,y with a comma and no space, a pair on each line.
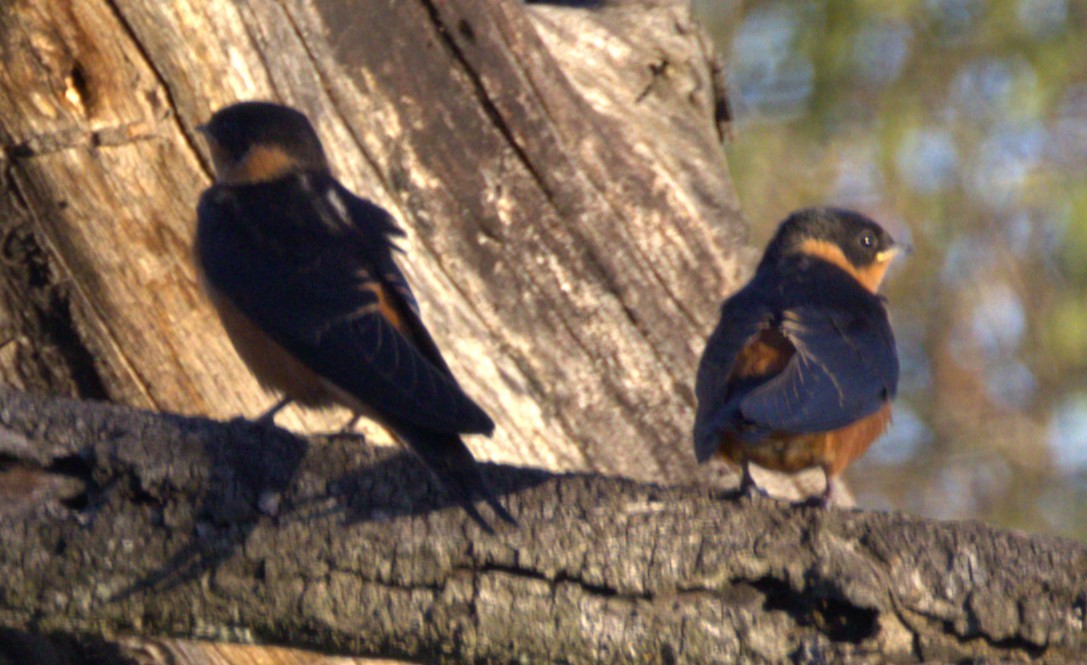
251,476
298,540
214,482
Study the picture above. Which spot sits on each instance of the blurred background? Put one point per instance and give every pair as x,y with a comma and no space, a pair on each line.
961,125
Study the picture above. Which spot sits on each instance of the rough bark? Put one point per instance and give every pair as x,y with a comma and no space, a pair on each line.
167,525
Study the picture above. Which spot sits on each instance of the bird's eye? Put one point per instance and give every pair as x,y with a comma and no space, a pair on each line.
868,240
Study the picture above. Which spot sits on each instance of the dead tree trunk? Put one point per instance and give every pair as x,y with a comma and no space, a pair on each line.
166,525
571,222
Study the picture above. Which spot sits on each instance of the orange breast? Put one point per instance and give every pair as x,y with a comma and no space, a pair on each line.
274,367
767,356
832,450
851,441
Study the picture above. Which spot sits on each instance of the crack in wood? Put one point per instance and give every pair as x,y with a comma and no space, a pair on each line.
49,297
488,105
593,261
151,63
41,145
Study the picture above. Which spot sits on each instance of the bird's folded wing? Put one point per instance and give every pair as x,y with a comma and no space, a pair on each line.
321,303
742,319
369,217
845,367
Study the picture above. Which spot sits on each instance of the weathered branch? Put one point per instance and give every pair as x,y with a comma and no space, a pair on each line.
166,525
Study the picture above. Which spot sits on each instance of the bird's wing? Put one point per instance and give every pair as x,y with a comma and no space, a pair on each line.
743,317
845,367
293,259
371,218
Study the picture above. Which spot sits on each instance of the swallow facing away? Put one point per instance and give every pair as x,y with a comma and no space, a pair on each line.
302,275
801,369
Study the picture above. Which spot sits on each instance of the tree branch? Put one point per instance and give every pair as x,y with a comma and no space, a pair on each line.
165,525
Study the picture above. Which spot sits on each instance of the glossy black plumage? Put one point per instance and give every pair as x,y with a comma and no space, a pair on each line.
838,364
311,266
844,368
300,275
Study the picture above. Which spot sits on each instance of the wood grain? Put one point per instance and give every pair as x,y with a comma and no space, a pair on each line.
571,224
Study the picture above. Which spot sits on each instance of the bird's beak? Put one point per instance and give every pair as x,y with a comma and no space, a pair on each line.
899,248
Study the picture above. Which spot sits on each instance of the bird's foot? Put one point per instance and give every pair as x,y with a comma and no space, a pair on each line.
267,419
749,489
817,501
349,426
752,491
824,500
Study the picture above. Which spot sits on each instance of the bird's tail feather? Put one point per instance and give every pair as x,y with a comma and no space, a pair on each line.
457,469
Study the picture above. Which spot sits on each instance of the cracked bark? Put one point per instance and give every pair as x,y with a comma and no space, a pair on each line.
167,525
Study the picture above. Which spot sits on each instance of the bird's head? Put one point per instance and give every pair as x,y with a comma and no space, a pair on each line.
259,141
844,238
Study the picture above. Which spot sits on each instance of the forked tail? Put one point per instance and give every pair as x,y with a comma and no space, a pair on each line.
457,469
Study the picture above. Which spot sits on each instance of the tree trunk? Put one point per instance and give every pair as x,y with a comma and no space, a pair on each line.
164,525
570,220
571,225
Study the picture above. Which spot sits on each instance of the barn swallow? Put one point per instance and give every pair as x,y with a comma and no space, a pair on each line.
801,369
302,274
